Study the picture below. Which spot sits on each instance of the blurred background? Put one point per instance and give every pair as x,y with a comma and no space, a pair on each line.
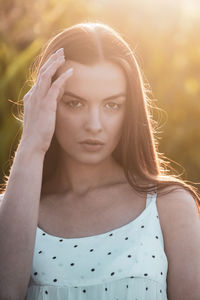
165,35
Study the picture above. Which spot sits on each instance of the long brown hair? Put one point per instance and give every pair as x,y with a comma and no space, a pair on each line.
137,152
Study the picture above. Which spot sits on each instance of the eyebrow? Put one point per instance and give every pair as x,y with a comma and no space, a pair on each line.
108,98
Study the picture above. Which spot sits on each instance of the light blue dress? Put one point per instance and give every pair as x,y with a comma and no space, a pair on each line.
127,263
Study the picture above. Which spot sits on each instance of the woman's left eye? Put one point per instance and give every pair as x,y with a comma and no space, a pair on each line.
114,105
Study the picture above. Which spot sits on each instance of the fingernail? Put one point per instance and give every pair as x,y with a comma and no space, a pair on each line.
60,50
69,71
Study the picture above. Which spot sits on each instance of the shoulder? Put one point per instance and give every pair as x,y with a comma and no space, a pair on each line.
177,205
178,212
1,198
180,224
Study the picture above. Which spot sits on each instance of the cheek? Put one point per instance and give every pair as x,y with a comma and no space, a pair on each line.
67,125
115,125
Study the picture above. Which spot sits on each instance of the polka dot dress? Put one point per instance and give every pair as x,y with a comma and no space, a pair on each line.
127,263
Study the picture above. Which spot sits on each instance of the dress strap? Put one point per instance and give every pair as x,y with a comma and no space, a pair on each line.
150,197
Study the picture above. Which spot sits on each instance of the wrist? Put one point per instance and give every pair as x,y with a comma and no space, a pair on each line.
27,148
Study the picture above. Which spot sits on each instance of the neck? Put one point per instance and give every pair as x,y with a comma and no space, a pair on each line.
80,178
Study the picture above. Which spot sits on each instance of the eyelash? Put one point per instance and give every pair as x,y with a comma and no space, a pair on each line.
76,101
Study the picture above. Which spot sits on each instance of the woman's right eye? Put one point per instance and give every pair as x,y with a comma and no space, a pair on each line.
73,103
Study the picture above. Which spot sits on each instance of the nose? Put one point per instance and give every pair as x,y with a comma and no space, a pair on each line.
93,121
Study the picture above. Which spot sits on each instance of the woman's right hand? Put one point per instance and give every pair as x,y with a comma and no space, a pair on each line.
40,104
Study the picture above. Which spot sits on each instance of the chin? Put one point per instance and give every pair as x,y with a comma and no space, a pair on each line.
90,158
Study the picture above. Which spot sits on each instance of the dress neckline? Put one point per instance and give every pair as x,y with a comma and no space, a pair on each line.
134,221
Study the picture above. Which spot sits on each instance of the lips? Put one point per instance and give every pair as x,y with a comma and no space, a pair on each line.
92,142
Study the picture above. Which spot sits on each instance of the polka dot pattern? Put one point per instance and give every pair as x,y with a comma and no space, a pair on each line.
126,263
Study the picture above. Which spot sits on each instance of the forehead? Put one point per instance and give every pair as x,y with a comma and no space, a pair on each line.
102,79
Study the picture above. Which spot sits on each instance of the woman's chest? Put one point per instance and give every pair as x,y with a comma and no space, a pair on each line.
71,218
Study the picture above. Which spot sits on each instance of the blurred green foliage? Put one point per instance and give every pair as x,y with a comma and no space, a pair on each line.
164,36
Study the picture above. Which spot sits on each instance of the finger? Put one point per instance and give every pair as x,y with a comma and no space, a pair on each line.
56,87
46,77
32,89
29,93
54,56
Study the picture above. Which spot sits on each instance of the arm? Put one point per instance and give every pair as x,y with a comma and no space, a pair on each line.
20,206
18,222
181,228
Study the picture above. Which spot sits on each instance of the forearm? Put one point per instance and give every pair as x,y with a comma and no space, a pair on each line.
18,221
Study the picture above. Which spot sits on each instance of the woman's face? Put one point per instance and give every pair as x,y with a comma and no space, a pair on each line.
92,107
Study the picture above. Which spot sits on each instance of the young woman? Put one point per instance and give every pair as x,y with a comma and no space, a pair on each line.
89,210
